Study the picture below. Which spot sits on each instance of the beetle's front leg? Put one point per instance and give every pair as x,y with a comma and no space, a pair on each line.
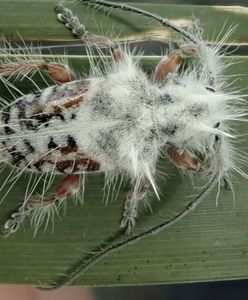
40,206
66,17
131,205
171,63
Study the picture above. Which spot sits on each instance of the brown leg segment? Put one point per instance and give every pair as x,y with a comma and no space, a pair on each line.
168,65
185,160
101,41
69,187
58,72
172,63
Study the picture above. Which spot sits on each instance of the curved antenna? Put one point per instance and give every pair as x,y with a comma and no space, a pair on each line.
84,266
165,22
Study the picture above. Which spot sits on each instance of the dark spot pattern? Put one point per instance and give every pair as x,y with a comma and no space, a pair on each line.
29,147
21,110
197,110
45,118
38,165
217,138
209,88
52,144
71,142
169,130
153,134
164,99
80,163
30,125
38,93
5,119
16,155
41,119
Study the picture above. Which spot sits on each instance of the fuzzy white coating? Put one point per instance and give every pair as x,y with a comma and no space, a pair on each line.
127,120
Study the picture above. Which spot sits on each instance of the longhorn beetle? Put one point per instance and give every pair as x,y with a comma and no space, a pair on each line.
120,121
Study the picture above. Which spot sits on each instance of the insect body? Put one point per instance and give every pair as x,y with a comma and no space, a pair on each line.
120,121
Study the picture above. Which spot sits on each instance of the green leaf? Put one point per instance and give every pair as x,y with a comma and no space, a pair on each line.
209,244
35,20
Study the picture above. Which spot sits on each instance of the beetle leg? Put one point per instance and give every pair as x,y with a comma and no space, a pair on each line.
60,73
69,187
185,160
66,17
131,205
172,62
101,41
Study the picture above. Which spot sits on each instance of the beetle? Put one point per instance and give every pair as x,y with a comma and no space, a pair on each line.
120,121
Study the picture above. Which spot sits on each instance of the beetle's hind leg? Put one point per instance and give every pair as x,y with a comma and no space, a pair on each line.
66,17
38,207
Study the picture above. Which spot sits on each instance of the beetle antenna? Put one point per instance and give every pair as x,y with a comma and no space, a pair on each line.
85,264
165,22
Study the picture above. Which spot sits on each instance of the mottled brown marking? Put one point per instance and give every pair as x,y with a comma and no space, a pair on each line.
67,150
57,109
92,165
184,160
87,163
70,104
64,164
79,90
73,103
38,109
